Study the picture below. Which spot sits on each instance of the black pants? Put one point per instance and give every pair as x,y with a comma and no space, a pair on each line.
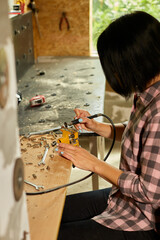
77,223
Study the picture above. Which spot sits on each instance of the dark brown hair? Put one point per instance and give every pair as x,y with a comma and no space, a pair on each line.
129,52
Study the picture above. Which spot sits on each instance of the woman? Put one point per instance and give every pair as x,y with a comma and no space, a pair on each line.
129,52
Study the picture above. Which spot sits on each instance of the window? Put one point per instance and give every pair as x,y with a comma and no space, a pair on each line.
105,11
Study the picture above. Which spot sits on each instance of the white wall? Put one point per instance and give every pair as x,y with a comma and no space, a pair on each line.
13,208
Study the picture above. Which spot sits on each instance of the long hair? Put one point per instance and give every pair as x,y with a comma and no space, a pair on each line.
129,52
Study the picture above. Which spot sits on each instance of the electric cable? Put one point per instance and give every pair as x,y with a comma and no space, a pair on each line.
89,175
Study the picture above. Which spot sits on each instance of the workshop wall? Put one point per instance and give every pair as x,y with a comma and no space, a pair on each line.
53,41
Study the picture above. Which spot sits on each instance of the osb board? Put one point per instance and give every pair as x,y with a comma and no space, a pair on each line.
44,210
56,42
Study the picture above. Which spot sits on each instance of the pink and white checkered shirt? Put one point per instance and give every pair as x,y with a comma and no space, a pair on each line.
135,205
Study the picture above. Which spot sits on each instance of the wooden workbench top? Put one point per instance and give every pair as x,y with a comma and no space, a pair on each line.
44,210
66,83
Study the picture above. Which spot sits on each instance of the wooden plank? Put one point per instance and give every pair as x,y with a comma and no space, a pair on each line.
44,210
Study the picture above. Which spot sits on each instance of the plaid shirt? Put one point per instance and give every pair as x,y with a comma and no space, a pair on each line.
135,205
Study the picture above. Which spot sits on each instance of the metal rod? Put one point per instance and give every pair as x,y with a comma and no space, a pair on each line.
44,131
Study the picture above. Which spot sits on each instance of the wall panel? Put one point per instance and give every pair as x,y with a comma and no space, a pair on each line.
56,42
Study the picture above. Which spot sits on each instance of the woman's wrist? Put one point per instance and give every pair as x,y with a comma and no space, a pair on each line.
104,130
107,172
95,126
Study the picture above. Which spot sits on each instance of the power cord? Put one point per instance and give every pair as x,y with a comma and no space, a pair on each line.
89,175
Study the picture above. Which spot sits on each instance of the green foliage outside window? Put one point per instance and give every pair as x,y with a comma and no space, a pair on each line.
105,11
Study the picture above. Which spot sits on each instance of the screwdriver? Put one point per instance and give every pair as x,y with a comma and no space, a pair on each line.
76,121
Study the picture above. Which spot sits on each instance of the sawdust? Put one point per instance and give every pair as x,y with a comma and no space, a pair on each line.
32,152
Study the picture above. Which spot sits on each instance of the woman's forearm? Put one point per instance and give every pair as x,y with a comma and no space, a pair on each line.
106,130
108,172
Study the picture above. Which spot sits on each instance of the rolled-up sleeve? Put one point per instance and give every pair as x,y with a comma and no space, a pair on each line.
145,186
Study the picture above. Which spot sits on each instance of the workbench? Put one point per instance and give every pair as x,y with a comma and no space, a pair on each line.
45,210
67,83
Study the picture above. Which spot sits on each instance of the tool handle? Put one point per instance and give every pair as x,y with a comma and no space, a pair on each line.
76,121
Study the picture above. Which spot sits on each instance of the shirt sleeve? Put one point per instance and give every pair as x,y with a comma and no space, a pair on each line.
145,187
125,123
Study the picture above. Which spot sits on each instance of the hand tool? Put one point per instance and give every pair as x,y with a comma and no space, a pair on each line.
32,6
73,122
44,131
44,156
63,17
37,187
76,121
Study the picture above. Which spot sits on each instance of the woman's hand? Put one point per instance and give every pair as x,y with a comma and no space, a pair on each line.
85,123
80,157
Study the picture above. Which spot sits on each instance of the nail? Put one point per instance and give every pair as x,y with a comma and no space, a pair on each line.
80,120
80,130
62,152
56,149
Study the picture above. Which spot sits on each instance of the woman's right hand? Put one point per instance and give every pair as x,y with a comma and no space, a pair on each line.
86,123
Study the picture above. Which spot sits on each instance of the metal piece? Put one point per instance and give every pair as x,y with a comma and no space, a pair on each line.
44,156
86,104
18,178
38,26
53,143
65,124
37,187
44,131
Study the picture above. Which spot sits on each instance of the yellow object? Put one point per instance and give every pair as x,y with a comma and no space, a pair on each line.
20,1
69,136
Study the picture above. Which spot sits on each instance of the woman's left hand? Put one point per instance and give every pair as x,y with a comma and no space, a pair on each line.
80,157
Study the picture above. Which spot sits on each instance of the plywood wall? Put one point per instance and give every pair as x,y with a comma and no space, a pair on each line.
56,42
